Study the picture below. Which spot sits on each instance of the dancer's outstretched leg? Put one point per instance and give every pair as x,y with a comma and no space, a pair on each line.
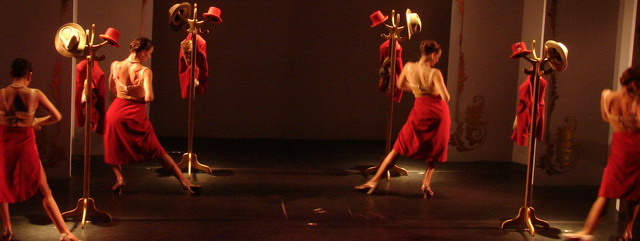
170,165
52,209
591,223
385,165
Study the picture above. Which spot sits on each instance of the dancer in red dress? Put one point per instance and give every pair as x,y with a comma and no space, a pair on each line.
21,174
621,178
129,136
425,135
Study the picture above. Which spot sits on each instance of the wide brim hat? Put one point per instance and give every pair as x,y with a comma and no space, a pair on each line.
377,18
557,54
179,14
112,36
213,15
519,49
414,24
70,40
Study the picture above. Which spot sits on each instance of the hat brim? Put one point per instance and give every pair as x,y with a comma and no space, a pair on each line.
379,21
411,23
520,54
557,55
110,40
82,41
178,15
212,17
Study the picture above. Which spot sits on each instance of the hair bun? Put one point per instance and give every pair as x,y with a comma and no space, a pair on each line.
135,45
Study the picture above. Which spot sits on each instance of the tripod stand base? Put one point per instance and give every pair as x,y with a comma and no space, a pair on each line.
527,220
192,158
86,209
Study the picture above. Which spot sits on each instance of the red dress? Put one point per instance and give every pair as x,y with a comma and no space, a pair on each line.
621,178
129,135
20,168
425,135
523,123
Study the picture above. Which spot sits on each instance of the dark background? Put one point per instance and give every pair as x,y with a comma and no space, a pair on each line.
289,69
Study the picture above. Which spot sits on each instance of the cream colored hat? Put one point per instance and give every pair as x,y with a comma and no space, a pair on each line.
70,40
557,54
413,23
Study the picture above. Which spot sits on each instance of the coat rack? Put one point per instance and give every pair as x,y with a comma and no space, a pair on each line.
190,159
393,37
86,207
556,54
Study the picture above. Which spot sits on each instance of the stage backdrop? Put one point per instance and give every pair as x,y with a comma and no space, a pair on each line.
289,69
482,78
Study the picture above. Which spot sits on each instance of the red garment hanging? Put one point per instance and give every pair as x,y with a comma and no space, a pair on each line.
384,53
525,93
202,68
98,100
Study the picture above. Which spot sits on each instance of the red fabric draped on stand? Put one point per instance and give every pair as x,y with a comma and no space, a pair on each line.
98,99
621,178
384,53
425,135
129,135
523,124
202,68
20,168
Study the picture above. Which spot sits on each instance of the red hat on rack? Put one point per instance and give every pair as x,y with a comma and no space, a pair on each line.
213,14
518,50
112,36
377,18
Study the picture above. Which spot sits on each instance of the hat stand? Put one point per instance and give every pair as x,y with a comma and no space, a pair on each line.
393,37
526,218
86,207
190,159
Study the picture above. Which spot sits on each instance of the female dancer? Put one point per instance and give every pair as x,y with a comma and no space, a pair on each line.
21,173
621,178
129,135
425,135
